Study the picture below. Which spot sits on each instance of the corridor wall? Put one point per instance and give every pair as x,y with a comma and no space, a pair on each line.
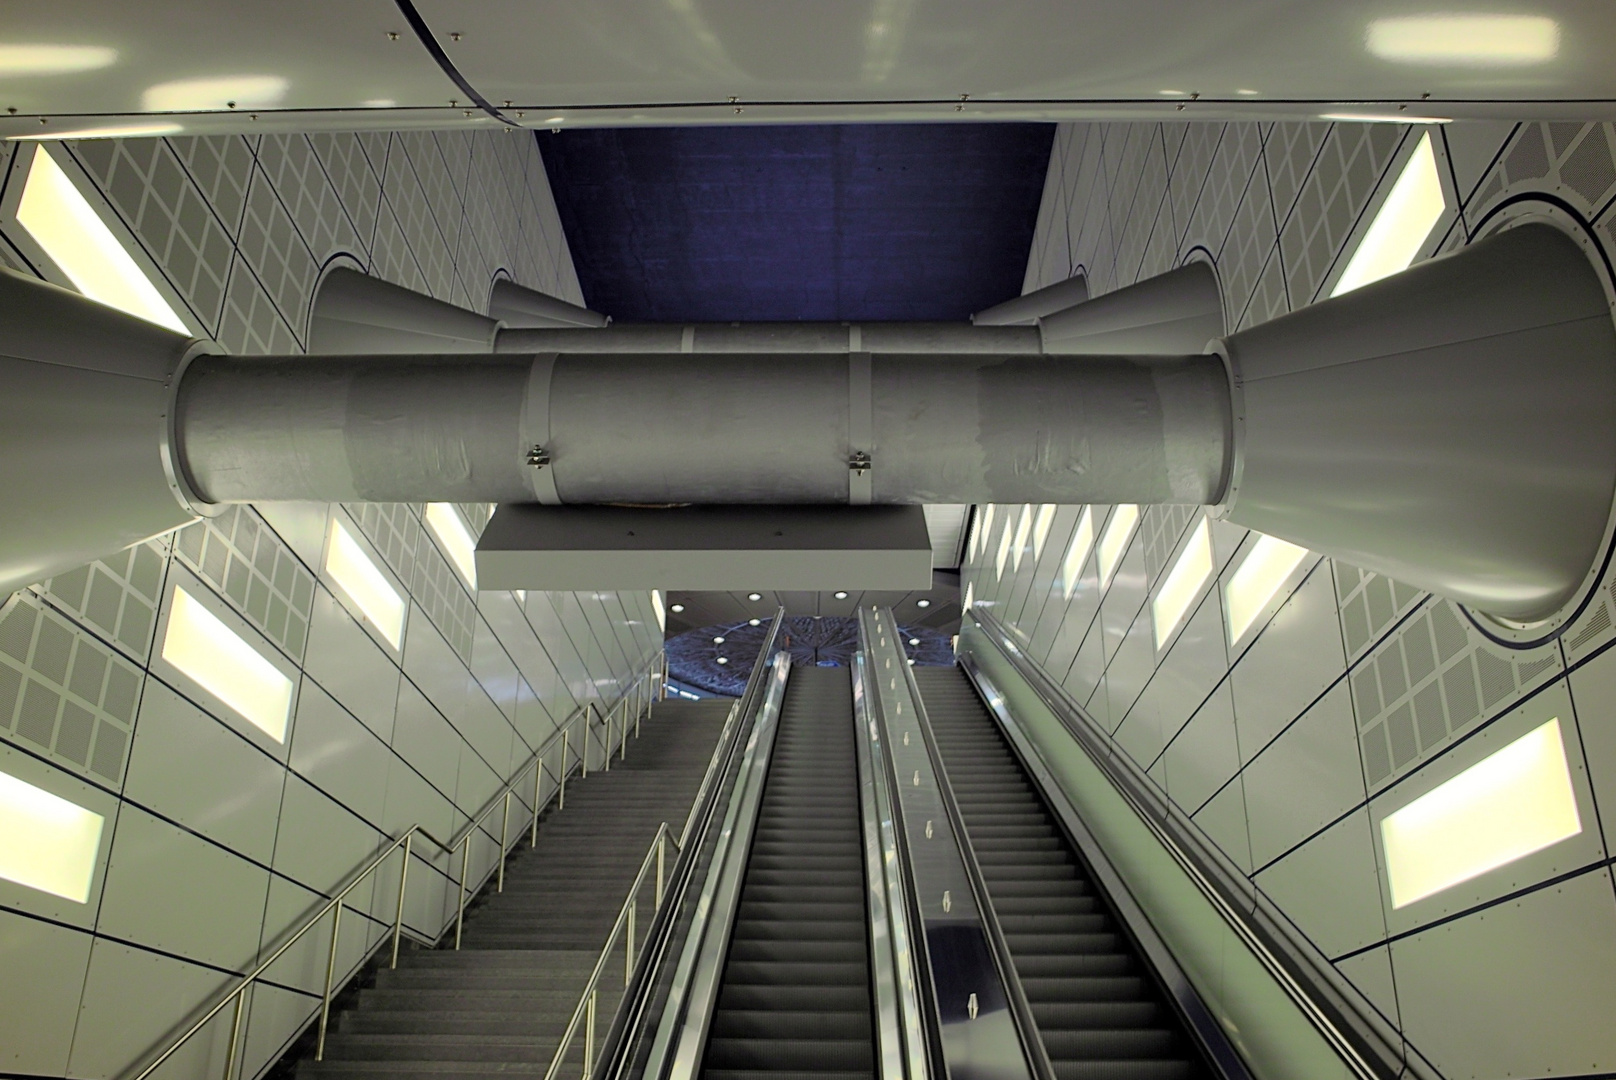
217,837
1352,694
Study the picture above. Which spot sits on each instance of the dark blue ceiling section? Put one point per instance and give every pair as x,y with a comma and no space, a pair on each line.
842,222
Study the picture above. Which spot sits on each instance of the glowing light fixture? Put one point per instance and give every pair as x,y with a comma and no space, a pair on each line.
205,95
1077,552
922,603
718,641
46,842
1182,584
840,595
1023,528
351,567
1384,118
379,103
984,524
53,59
1511,803
1470,40
723,660
1118,531
677,609
1406,218
754,622
113,131
754,596
659,609
970,596
450,529
226,666
1040,529
1262,572
59,218
914,641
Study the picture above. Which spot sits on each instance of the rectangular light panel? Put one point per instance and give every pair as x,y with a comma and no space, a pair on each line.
1183,583
1077,552
1040,529
1266,566
1115,540
1472,40
59,218
450,529
1004,551
46,842
1023,528
1515,801
225,665
659,608
352,568
1405,219
970,596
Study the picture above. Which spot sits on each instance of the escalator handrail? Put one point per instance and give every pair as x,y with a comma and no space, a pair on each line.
1365,1042
1020,1008
694,838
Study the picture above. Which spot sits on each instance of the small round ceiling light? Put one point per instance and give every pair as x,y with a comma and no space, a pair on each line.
841,596
918,603
754,596
718,641
754,622
723,659
914,641
677,608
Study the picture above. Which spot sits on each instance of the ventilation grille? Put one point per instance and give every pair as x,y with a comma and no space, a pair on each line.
1431,681
246,563
1577,160
401,538
63,692
1370,604
117,595
1593,628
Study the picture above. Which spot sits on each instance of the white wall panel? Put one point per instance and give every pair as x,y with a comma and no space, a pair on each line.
1205,753
1593,692
132,998
1543,968
1291,663
1223,818
302,525
1329,886
424,739
1125,679
235,799
494,670
1305,778
174,891
44,966
1371,972
432,666
351,667
1184,677
333,751
320,841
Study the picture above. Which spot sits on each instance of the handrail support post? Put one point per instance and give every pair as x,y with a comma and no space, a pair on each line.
330,976
403,880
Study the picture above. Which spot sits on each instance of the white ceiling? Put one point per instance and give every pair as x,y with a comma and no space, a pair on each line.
683,61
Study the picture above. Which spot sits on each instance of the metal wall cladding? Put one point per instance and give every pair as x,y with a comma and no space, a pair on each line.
1354,687
215,838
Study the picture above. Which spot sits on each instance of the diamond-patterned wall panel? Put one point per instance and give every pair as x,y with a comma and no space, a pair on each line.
1331,201
358,188
118,596
1161,527
1250,242
277,254
299,178
62,692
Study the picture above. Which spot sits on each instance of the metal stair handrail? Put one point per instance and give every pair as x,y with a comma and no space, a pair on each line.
648,686
585,1011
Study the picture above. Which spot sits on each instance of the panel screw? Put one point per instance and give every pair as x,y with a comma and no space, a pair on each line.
230,104
12,109
948,901
392,35
454,35
970,1007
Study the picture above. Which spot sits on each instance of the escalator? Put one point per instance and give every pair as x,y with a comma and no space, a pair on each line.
794,999
1098,1010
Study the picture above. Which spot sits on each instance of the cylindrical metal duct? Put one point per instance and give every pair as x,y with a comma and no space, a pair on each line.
1028,308
518,306
355,313
777,428
763,337
1180,311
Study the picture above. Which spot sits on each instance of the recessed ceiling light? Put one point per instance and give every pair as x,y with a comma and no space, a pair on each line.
1248,93
57,215
718,641
914,641
1118,531
1398,231
53,59
113,131
1471,40
754,622
46,842
754,596
922,603
1078,551
841,596
1515,801
450,529
677,608
203,95
379,103
1384,118
723,659
1262,573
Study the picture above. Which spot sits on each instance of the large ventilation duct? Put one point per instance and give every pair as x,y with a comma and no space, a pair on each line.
1028,308
799,337
518,306
1176,312
1453,426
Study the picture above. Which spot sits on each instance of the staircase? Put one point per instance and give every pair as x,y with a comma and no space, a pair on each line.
498,1006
